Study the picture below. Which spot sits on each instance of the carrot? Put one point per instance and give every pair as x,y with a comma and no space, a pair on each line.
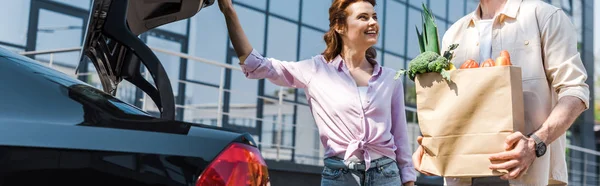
505,54
502,61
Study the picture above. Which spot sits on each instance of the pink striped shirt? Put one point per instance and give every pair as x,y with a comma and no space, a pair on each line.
347,125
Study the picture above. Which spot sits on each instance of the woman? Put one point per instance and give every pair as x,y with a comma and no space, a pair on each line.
357,104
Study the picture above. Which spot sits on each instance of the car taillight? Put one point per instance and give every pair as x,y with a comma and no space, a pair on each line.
239,164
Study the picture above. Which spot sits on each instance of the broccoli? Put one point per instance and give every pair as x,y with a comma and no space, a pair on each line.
438,64
429,62
423,63
420,64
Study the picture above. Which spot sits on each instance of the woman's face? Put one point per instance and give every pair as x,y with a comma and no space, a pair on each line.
362,27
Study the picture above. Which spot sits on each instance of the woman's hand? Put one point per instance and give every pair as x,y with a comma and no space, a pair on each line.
240,42
410,183
226,6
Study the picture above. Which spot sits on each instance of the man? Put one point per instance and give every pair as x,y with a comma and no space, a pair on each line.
543,42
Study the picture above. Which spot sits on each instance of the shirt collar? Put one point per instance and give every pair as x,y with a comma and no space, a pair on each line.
339,63
511,8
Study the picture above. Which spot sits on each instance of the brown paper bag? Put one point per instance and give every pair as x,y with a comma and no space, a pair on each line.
466,120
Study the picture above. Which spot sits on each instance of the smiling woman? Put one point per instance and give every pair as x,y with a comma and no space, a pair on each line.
357,104
357,22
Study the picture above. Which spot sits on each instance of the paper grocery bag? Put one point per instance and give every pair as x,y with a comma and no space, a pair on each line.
466,120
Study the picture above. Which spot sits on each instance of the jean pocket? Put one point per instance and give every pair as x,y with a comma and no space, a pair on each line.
331,174
390,170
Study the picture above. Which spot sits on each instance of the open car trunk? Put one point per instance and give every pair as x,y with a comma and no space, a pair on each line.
112,44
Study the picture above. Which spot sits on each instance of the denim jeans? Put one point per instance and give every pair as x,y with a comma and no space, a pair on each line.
382,175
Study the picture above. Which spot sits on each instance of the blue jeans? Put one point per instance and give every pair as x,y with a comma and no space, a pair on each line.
382,175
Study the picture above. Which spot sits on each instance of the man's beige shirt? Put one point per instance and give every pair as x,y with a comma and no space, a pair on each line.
543,42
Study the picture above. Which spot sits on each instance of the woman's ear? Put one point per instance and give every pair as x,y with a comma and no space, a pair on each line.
340,31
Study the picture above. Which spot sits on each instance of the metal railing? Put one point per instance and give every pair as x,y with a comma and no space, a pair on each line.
582,171
583,166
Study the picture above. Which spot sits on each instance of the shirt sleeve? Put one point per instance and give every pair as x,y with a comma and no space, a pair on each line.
400,133
282,73
562,61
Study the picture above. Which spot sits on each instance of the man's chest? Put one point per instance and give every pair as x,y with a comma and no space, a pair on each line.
521,40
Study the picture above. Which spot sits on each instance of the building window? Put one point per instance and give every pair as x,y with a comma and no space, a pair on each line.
285,8
315,13
395,29
14,27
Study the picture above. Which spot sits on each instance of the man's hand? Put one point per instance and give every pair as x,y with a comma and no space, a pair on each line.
410,183
519,155
418,155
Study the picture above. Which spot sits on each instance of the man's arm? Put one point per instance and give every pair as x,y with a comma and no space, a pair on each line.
566,74
523,154
561,118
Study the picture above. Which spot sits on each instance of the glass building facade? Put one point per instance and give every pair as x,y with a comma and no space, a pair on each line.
290,30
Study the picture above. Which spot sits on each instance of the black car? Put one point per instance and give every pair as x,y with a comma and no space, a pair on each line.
57,130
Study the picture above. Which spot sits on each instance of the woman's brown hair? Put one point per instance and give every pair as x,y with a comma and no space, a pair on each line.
337,21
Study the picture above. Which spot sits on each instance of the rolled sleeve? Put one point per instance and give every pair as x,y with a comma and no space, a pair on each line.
564,68
578,92
251,64
400,132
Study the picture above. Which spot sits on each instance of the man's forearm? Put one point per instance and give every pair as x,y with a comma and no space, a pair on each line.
561,118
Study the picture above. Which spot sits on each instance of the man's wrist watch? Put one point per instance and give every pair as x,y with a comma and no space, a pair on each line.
540,146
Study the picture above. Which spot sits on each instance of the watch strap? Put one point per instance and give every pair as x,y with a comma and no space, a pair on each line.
536,139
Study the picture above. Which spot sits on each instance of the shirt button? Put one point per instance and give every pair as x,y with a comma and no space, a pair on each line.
526,42
477,44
